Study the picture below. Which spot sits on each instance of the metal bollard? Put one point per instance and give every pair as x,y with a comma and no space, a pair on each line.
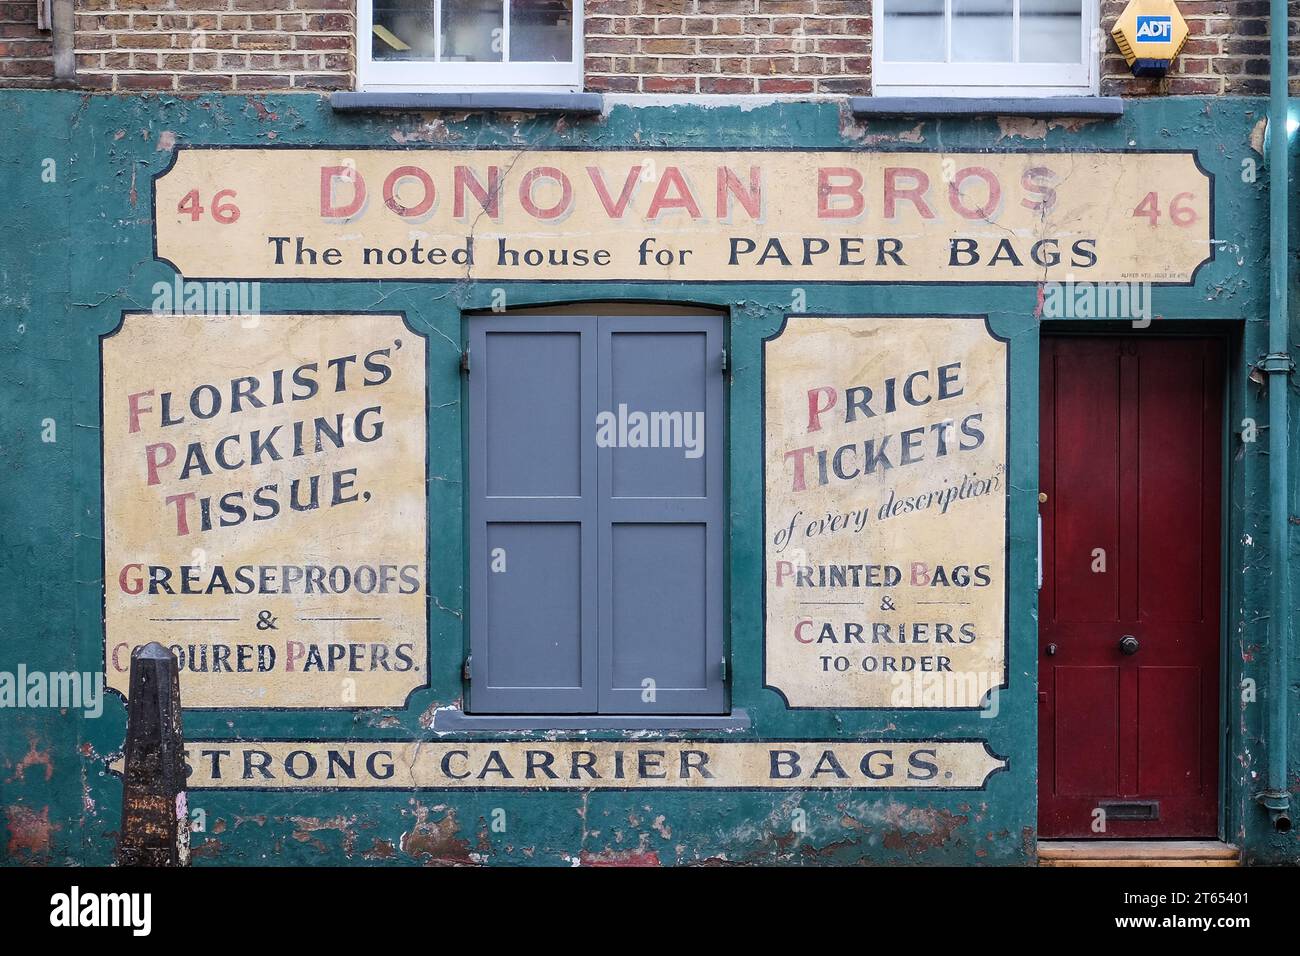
155,819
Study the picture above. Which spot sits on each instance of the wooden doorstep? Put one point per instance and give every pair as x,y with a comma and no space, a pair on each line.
1137,853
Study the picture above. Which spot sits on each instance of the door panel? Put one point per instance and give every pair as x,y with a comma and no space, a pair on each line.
1087,728
1130,463
532,506
661,518
659,605
1087,412
534,610
664,371
533,413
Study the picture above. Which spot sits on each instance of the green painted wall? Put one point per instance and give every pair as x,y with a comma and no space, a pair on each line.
76,253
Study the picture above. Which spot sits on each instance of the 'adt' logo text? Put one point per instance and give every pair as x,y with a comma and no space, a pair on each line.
1155,29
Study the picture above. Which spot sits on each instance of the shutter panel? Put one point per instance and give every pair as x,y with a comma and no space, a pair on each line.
661,519
532,495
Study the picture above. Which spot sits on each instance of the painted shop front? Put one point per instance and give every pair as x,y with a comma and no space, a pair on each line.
676,485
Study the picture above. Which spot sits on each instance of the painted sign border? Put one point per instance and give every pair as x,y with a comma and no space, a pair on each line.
1006,529
1005,760
898,148
103,515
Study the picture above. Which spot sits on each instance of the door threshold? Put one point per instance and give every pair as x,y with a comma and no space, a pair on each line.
1137,853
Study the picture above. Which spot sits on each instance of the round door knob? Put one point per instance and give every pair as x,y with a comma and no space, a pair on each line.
1051,650
1128,644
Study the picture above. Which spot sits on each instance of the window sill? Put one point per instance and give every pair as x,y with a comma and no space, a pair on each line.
942,106
517,101
455,720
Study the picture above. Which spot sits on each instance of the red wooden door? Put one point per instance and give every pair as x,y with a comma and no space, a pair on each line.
1130,463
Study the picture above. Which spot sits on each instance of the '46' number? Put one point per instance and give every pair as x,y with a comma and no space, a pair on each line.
224,209
1180,213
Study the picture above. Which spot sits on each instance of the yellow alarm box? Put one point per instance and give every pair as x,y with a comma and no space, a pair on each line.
1150,33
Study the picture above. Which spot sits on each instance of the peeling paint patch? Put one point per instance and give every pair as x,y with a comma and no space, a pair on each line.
434,842
30,832
912,830
380,850
208,849
1025,127
33,758
913,135
263,114
619,858
1072,124
1257,135
306,827
434,131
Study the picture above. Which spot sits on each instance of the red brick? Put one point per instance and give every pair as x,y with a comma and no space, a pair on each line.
669,84
145,81
672,45
263,41
726,84
781,85
322,81
309,42
262,81
204,81
612,84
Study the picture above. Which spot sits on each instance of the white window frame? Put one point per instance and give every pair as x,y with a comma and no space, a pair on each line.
433,75
987,79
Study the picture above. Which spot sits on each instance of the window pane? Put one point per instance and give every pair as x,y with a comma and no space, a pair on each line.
541,31
472,31
403,30
981,31
1050,31
914,31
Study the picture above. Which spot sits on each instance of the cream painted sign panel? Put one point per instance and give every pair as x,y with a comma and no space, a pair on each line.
679,216
885,516
590,765
264,506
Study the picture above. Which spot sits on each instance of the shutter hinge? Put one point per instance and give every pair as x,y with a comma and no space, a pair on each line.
724,362
464,361
724,670
464,671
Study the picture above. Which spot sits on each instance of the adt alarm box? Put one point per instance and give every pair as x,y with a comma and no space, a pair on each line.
1150,33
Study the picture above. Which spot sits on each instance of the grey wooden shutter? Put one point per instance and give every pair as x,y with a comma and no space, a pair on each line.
613,555
661,518
532,504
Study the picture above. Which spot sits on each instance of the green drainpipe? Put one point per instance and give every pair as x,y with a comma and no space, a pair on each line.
1277,365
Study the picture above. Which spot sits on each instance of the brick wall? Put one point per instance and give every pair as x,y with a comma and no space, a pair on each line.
194,45
729,46
633,46
26,54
